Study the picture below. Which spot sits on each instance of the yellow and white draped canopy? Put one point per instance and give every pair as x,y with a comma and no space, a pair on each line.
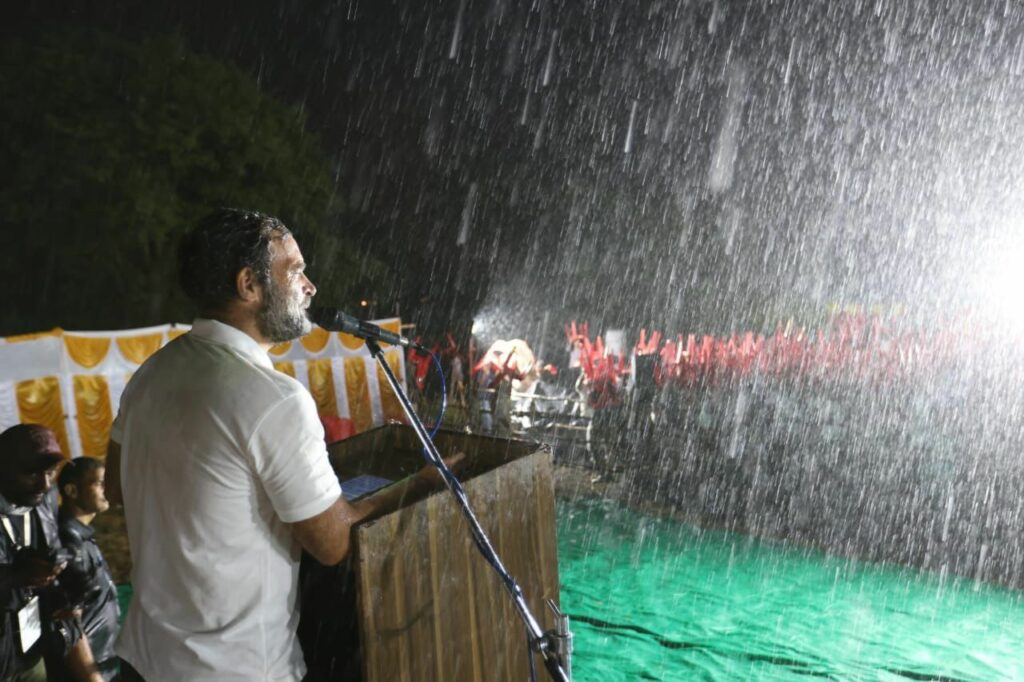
72,382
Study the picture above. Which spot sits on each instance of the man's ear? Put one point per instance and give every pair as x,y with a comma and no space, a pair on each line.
70,491
247,285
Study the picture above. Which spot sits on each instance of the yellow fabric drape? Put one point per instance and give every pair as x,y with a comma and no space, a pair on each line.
281,349
321,385
18,338
175,333
138,348
316,340
87,351
92,402
390,407
350,342
358,392
286,366
39,403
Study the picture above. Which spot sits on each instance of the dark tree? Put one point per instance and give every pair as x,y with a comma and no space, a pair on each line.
110,149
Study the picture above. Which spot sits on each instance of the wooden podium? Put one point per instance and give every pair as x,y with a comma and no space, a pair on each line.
415,600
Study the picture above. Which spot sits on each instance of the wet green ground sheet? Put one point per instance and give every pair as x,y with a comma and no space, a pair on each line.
655,599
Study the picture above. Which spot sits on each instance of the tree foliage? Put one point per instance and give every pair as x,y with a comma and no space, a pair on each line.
109,150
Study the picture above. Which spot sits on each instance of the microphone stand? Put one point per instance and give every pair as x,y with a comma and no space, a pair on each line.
554,646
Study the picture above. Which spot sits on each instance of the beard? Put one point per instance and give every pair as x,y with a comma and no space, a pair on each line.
283,316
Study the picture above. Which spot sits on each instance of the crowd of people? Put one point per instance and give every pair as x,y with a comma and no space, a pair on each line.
59,604
861,347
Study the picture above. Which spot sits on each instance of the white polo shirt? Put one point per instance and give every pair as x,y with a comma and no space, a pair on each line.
219,451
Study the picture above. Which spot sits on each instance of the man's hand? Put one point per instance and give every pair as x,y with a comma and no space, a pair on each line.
429,475
73,613
81,663
33,571
326,535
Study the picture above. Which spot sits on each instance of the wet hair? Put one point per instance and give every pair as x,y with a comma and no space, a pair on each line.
211,255
77,470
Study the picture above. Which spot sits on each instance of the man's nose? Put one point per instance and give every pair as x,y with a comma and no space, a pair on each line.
308,287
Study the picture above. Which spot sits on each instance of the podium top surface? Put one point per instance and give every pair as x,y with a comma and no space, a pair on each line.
393,452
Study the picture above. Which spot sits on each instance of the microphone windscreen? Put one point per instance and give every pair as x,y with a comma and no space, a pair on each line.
327,318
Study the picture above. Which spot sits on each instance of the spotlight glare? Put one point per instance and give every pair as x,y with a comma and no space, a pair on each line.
1002,286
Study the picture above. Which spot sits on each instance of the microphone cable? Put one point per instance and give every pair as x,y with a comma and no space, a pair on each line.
444,395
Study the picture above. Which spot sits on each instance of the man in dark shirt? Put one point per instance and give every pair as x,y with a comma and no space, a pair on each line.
30,562
87,581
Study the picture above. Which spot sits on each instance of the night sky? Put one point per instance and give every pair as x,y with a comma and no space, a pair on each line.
692,166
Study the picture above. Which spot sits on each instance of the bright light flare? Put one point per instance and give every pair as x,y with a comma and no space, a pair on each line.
1001,285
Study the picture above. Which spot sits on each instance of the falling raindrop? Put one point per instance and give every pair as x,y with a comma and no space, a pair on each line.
629,129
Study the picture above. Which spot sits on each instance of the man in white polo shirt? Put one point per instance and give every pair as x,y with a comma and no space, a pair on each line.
224,471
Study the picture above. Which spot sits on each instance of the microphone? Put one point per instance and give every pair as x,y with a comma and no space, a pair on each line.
333,320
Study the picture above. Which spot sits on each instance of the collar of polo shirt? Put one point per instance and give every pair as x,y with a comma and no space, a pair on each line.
225,334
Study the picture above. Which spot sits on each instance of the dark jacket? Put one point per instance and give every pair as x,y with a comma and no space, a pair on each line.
87,584
58,635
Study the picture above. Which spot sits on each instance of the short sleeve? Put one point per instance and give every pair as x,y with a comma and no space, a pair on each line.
290,458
